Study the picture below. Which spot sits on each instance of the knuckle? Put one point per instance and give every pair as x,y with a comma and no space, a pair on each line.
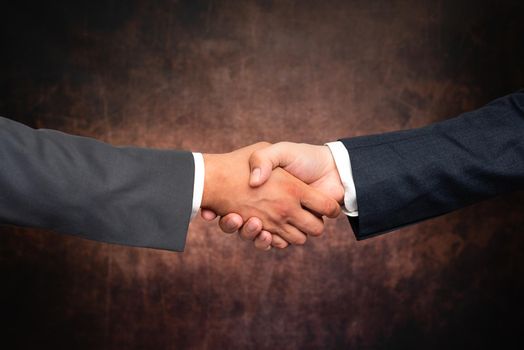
294,191
255,157
282,210
282,144
263,144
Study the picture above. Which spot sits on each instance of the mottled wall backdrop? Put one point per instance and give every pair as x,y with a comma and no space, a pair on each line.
216,75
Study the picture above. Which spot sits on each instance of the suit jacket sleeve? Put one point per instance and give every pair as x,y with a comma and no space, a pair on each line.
408,176
77,185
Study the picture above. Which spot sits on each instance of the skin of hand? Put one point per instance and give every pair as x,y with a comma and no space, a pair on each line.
312,164
286,206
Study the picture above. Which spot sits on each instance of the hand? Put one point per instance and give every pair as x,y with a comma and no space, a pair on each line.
280,204
312,164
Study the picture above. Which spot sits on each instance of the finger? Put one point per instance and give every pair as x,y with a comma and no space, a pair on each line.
319,203
231,223
208,215
263,161
291,234
263,241
278,242
251,229
307,222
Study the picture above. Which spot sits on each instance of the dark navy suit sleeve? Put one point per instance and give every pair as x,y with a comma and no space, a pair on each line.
408,176
77,185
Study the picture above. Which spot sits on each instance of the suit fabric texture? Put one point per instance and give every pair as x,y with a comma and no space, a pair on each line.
407,176
77,185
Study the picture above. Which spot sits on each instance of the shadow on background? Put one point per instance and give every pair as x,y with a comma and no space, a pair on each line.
212,76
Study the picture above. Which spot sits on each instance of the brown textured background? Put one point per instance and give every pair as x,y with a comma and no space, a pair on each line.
215,75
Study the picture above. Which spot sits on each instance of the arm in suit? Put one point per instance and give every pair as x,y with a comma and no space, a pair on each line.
137,196
399,178
126,195
407,176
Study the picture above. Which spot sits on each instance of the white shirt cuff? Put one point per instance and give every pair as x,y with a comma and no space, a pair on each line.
198,185
343,163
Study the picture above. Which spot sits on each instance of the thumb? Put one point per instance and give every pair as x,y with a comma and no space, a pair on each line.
262,162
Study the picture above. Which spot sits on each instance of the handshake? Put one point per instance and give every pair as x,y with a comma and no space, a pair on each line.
273,194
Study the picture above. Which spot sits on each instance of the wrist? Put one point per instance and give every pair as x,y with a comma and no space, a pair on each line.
330,153
218,168
210,175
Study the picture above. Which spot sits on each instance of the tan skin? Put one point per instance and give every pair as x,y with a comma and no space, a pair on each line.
312,164
285,205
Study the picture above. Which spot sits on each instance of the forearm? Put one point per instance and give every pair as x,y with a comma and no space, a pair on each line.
81,186
408,176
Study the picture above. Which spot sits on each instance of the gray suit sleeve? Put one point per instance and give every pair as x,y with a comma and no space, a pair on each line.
77,185
404,177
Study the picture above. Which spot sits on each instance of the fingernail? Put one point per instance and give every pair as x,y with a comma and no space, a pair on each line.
255,175
252,227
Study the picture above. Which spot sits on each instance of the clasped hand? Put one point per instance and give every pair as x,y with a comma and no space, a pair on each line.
274,194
